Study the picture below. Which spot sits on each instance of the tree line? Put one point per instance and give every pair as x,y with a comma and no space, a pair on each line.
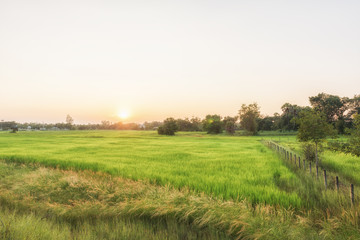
338,111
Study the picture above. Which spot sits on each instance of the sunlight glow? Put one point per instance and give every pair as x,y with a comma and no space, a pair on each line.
124,114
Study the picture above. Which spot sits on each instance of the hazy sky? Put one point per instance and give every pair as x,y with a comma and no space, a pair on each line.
90,59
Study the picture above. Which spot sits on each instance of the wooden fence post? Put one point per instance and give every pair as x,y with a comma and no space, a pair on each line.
325,180
337,183
310,167
299,163
352,194
304,164
317,171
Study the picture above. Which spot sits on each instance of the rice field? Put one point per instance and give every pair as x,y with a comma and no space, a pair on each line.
85,184
223,166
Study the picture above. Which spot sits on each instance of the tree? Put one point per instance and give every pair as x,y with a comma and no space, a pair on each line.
313,128
248,117
230,124
354,140
69,122
212,124
184,124
152,125
333,107
196,124
14,129
69,119
290,113
169,127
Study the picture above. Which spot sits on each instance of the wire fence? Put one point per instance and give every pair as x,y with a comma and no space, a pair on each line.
330,180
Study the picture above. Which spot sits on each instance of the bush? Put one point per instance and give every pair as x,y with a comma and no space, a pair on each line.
212,124
14,129
169,127
309,151
338,146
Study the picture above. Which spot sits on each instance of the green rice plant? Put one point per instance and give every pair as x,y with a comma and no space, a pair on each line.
224,166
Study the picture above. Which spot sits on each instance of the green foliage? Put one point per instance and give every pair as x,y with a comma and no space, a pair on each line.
338,111
248,117
331,105
354,140
169,127
313,127
309,151
212,124
268,123
339,146
230,124
290,113
14,129
190,125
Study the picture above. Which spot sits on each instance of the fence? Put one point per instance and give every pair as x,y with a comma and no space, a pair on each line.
296,160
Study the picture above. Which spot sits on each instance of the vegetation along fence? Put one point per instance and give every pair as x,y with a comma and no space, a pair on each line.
315,171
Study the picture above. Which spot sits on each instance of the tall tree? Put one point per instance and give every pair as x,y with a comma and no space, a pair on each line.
290,113
355,136
331,105
313,128
248,117
69,119
69,122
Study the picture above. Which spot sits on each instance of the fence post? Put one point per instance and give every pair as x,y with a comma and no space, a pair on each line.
352,194
325,180
337,183
304,164
299,163
310,167
317,171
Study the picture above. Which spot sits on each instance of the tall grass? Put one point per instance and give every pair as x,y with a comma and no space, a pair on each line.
38,202
347,166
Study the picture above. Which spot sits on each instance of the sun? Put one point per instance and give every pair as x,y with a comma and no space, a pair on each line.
124,114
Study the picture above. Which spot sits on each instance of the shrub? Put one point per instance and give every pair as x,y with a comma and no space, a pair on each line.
169,127
212,124
309,151
338,146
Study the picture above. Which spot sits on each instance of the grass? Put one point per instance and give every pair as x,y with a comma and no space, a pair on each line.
128,185
347,166
44,203
223,166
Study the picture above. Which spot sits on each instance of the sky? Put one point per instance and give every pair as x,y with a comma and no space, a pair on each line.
157,59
